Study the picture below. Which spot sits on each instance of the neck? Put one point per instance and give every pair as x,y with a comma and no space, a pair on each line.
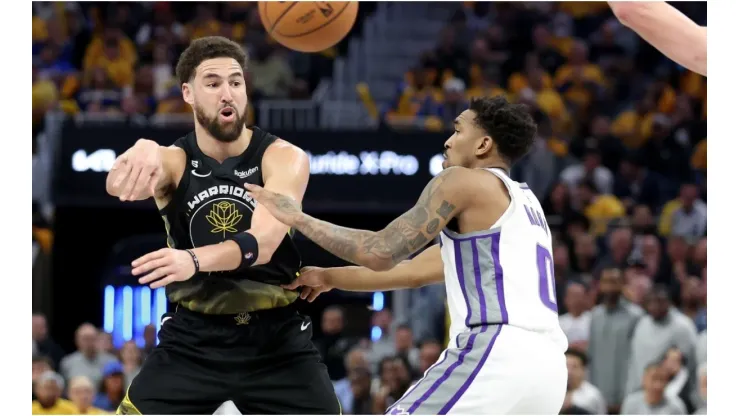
611,302
490,164
576,314
90,355
219,150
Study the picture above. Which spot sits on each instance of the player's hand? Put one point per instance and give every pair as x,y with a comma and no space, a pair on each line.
284,208
135,174
314,282
164,266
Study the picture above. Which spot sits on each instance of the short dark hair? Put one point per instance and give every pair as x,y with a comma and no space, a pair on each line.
209,47
510,125
578,354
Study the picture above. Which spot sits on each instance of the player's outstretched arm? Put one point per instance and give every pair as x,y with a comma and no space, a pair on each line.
442,199
143,171
668,30
424,269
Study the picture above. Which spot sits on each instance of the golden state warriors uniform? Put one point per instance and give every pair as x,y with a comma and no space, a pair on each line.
234,335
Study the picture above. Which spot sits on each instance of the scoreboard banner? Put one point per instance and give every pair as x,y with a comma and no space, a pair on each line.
351,171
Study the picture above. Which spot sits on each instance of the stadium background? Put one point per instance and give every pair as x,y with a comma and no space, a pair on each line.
621,148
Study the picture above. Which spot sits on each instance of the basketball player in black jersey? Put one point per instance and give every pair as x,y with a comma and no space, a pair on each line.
235,333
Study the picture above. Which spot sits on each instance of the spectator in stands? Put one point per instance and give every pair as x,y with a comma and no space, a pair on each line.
40,365
453,103
162,71
634,126
599,137
131,360
150,340
652,400
674,365
385,345
540,166
576,322
548,56
449,56
405,346
112,387
690,220
99,94
585,254
583,394
396,377
558,201
699,256
271,74
579,80
664,155
563,275
612,325
81,393
635,184
44,343
360,380
332,343
590,169
105,342
659,330
569,408
643,223
702,377
429,353
637,285
620,247
692,303
354,360
87,360
48,388
114,52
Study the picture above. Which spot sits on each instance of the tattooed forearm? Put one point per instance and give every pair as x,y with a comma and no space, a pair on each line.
383,249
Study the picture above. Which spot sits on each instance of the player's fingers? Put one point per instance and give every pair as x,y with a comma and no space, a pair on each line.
155,180
156,275
164,282
292,286
305,292
149,257
123,174
131,182
149,266
142,182
314,294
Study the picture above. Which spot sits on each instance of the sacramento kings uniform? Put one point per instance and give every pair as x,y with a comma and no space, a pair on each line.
233,335
506,347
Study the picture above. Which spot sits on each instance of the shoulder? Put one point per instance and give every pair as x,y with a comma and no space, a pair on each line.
282,156
632,398
283,150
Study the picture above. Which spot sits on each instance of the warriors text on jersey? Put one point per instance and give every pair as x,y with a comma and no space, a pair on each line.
210,205
503,275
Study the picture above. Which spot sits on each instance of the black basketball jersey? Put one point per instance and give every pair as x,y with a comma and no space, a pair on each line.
209,205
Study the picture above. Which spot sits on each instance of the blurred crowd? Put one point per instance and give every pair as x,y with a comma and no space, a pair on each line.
93,379
120,57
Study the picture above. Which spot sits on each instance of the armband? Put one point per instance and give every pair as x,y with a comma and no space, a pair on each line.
249,248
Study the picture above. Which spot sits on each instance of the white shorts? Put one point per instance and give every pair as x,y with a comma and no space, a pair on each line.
495,369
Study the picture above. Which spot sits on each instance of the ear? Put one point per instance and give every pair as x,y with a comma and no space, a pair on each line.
187,93
485,145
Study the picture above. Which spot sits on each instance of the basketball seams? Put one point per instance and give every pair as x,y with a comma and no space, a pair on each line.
321,26
280,16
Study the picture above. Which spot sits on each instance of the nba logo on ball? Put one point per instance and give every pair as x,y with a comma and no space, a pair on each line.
248,256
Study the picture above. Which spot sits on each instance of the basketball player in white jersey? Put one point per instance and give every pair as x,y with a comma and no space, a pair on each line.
668,30
506,350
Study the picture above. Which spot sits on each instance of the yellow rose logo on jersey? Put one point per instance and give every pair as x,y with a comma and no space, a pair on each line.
223,217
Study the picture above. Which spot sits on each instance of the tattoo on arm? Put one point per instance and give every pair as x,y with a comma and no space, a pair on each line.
402,237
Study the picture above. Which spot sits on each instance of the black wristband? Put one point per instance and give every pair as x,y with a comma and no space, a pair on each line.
249,248
195,260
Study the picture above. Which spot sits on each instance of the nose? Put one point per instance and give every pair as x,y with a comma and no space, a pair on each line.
226,96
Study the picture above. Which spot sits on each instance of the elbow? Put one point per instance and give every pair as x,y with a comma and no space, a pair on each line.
380,264
627,12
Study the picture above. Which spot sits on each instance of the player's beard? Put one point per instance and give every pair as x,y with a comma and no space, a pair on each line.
226,133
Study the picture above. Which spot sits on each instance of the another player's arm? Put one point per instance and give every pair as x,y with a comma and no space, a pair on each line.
143,171
442,199
424,269
668,30
285,169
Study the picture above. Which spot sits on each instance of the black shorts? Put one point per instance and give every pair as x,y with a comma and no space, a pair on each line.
263,361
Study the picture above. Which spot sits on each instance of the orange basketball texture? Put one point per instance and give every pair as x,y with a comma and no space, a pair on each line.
310,26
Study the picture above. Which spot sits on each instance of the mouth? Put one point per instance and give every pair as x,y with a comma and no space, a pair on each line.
227,114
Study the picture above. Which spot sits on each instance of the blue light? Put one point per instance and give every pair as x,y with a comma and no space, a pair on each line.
160,307
376,333
128,313
109,303
378,301
146,305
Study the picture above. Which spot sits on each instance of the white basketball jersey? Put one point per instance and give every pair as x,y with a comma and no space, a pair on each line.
503,275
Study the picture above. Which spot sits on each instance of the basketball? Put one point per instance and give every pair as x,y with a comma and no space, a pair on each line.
308,26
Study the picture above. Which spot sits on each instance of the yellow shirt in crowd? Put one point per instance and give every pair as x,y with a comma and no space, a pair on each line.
61,407
602,210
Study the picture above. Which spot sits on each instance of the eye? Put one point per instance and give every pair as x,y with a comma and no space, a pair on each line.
236,83
211,85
